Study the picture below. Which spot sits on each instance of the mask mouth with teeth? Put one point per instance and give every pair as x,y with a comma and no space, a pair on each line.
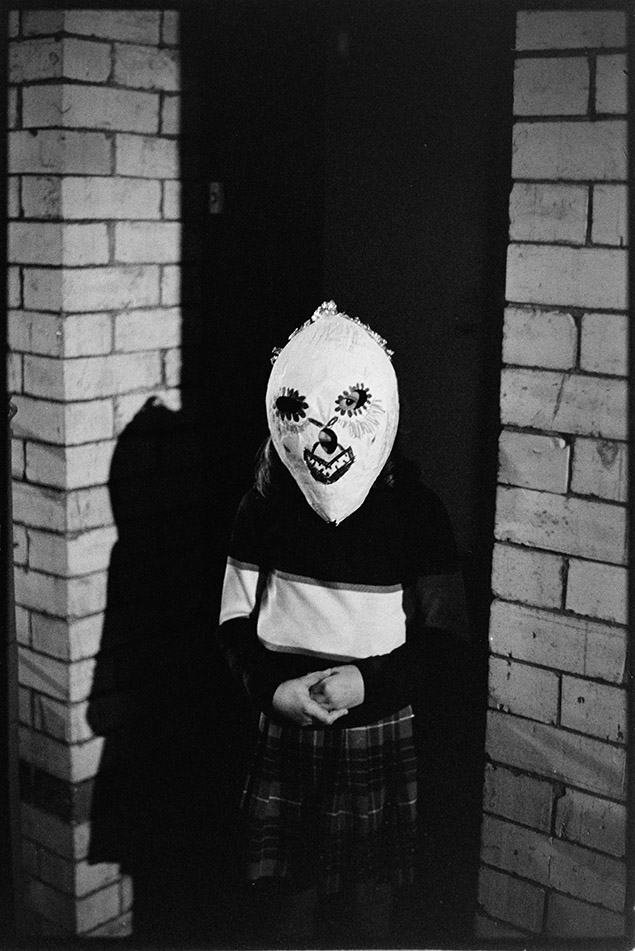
332,409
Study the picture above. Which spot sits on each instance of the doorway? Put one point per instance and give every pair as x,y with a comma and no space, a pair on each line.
364,156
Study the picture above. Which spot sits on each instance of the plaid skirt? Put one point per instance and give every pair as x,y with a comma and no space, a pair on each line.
333,807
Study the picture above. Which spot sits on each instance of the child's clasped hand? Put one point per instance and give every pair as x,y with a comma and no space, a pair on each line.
320,697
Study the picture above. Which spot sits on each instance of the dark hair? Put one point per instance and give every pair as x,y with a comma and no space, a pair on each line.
273,478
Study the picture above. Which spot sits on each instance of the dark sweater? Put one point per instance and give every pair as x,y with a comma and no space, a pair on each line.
301,594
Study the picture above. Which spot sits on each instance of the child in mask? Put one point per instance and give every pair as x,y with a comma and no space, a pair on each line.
339,564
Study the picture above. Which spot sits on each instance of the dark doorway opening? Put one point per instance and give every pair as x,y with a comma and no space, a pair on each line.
363,153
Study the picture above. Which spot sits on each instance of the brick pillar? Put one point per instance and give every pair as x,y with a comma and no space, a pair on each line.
553,839
95,331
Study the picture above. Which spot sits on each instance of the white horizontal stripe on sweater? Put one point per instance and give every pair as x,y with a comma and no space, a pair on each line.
336,620
239,590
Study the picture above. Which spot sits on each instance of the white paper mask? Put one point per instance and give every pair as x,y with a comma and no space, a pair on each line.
333,410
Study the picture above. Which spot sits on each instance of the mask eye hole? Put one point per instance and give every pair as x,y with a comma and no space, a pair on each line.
290,405
353,400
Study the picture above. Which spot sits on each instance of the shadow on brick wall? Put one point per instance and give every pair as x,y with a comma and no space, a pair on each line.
160,809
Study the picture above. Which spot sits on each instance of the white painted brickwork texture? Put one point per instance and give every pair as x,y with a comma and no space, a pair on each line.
553,838
94,327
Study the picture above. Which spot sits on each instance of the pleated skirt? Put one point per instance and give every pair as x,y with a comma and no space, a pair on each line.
335,808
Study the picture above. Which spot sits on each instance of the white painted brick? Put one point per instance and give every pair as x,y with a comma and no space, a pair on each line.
170,28
511,899
570,150
86,335
76,878
13,196
611,84
120,198
40,243
20,543
97,908
569,29
557,754
43,288
63,424
70,467
70,556
71,639
23,625
610,213
148,329
88,508
54,905
111,287
146,156
64,838
604,344
42,22
42,196
593,708
18,458
86,61
533,337
544,212
569,277
517,797
573,526
551,86
12,107
553,863
34,332
89,107
127,892
35,243
596,590
48,151
600,468
559,641
38,507
14,289
145,242
536,462
569,918
54,58
171,279
24,707
596,823
523,690
135,26
146,67
34,59
61,721
87,378
171,199
43,674
84,244
171,115
564,403
15,382
91,289
173,366
120,927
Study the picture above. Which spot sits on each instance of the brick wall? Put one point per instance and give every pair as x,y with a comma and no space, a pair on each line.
553,838
95,330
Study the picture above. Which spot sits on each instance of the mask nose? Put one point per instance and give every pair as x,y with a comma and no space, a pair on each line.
327,440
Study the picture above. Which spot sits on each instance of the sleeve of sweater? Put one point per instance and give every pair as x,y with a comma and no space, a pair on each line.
245,573
434,600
